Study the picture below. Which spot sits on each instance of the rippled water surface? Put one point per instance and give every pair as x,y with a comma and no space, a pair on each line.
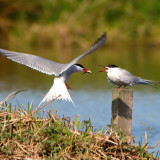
92,94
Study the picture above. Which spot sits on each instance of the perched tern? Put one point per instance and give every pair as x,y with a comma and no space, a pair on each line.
123,78
61,71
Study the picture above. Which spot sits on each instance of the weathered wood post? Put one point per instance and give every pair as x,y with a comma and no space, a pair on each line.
122,102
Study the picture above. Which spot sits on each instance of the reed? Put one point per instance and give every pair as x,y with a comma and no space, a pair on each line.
64,23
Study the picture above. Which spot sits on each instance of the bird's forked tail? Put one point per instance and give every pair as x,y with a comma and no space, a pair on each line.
148,82
59,91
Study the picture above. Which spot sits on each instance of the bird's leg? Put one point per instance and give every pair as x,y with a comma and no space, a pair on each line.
68,86
122,87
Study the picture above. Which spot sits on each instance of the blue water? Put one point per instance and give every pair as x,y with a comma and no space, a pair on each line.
96,105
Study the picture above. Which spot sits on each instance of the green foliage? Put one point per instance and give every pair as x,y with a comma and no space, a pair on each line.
6,150
40,22
26,134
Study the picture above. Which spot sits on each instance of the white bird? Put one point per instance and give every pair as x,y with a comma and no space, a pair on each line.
123,78
61,71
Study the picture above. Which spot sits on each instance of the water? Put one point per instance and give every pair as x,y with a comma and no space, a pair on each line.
92,94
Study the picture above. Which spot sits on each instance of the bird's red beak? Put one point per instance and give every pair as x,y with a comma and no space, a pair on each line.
104,69
86,71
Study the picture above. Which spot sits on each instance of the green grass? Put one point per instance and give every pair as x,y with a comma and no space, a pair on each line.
24,134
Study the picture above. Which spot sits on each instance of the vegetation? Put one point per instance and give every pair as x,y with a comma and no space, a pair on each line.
27,134
64,24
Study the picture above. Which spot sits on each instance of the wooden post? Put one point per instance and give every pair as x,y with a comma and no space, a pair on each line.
122,102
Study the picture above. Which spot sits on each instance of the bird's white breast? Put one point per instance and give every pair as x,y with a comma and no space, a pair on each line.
112,75
120,76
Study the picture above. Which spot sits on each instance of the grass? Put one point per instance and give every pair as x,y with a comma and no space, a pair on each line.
25,134
64,24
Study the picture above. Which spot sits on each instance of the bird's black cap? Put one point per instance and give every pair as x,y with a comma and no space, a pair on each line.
79,65
112,66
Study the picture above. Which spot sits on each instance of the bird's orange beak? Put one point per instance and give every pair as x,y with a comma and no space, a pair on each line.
104,69
86,71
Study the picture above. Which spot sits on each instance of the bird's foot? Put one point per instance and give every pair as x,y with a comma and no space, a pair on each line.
122,87
68,86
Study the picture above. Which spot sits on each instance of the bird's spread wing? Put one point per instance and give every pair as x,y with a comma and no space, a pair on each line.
93,48
46,66
38,63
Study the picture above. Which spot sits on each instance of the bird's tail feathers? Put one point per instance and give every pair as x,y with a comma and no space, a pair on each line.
58,91
148,82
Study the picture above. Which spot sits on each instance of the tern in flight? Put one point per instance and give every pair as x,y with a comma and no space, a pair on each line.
123,78
61,71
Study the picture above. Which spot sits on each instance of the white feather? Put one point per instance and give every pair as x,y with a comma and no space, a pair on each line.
59,90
